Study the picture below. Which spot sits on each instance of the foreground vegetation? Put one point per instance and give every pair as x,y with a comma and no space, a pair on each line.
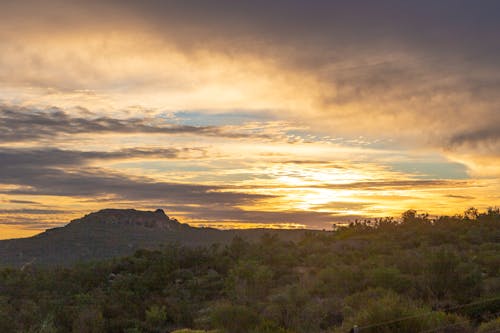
414,275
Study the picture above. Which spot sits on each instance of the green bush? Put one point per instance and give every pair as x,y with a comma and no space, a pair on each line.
234,318
490,326
383,311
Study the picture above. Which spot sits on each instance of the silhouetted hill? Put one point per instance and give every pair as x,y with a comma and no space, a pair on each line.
117,232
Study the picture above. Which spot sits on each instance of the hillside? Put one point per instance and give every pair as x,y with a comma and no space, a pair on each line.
410,276
116,232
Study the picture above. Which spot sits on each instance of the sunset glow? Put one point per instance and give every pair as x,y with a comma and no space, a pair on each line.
257,117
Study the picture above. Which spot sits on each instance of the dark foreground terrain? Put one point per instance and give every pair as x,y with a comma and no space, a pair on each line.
413,275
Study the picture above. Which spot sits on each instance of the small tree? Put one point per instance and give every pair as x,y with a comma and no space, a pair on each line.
156,316
89,320
234,318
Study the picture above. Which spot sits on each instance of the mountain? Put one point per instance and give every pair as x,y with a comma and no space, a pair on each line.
112,233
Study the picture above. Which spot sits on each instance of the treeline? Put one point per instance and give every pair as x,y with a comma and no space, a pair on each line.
415,274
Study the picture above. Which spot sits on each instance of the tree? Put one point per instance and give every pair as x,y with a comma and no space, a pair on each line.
156,316
89,320
234,318
249,281
471,213
447,276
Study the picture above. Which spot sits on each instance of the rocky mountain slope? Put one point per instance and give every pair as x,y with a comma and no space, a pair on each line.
116,232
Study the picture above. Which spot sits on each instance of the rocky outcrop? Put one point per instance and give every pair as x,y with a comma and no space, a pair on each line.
130,217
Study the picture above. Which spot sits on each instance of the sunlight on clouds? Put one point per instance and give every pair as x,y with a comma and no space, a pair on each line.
101,107
117,71
479,165
248,225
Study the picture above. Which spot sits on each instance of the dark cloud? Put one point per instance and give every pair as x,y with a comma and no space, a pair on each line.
98,182
486,139
308,34
54,172
23,202
33,211
43,157
21,124
464,197
297,25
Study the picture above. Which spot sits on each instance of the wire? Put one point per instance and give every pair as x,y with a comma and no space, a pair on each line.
452,325
494,331
426,314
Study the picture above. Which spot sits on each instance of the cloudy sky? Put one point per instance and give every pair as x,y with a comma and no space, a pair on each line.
243,114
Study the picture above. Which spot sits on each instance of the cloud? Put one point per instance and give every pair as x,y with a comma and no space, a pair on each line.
32,211
462,197
55,157
23,202
21,124
298,23
485,140
33,222
97,182
62,173
381,185
398,80
398,184
30,218
416,72
215,215
478,148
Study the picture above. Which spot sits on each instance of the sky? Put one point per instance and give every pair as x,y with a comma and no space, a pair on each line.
282,114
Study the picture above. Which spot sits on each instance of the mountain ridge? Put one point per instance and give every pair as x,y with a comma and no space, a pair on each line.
113,232
148,219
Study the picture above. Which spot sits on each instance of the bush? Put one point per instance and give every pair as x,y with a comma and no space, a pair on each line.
490,326
234,318
389,278
383,311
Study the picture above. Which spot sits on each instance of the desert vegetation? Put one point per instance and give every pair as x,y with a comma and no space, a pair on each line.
414,274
